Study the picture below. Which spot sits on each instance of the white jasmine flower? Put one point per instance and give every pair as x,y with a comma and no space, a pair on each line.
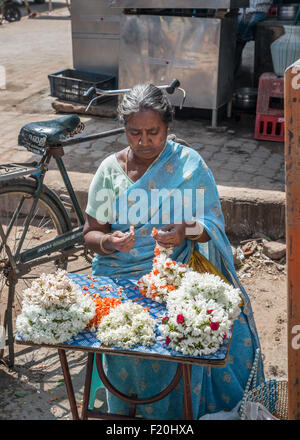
126,325
54,309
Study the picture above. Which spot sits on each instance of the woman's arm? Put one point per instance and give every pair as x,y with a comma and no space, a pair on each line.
95,232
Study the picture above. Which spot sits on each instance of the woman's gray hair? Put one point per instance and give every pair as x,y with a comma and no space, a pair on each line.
143,97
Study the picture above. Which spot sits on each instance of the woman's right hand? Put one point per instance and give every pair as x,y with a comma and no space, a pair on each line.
120,241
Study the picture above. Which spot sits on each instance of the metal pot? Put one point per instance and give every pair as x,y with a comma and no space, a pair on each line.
245,98
287,12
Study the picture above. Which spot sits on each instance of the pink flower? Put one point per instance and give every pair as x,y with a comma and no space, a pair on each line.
210,311
180,319
168,340
214,325
180,339
224,336
165,320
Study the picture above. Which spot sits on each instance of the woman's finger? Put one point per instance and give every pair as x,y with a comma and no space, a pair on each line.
167,228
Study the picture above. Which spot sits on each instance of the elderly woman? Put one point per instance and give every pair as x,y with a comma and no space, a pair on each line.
121,214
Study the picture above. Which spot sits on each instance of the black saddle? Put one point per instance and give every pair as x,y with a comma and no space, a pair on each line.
36,136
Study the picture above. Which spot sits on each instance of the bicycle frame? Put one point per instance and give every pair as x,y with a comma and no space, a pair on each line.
22,262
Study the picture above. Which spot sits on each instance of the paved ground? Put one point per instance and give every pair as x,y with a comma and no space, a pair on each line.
30,50
235,158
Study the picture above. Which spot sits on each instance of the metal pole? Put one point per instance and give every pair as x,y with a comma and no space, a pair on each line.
292,166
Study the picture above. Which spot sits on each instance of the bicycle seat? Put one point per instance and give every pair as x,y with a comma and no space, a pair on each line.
36,136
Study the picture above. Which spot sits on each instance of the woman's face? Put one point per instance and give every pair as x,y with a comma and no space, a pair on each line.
146,133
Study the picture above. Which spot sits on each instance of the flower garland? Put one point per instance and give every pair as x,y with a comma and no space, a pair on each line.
165,277
54,309
126,325
200,314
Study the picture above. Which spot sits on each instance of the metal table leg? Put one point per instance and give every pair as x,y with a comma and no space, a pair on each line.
87,386
68,382
187,410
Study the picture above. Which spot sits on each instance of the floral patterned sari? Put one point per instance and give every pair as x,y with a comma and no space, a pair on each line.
213,389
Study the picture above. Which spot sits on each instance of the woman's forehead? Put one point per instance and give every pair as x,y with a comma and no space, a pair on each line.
145,119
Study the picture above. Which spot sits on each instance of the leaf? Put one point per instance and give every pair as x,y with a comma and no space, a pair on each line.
20,394
60,382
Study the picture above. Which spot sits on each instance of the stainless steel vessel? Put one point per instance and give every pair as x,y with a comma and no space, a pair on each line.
245,98
287,12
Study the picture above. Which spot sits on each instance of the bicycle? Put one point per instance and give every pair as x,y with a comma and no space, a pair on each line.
31,212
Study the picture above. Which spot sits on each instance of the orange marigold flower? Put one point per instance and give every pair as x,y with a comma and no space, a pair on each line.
103,306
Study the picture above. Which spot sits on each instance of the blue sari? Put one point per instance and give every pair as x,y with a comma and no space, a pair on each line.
213,389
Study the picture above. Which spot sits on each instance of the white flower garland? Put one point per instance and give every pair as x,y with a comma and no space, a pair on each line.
200,314
54,309
126,325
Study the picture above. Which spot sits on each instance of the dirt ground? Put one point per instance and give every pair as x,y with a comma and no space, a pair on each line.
34,389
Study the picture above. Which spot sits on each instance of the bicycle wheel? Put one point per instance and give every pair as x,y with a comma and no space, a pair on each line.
49,220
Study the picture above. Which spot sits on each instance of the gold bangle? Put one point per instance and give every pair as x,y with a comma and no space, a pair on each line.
105,251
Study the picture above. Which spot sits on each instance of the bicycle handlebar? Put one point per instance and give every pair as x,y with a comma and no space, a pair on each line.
92,90
170,88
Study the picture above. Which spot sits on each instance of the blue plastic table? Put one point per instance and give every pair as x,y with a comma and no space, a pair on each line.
87,341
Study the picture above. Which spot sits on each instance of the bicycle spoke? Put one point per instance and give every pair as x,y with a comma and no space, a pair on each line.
15,214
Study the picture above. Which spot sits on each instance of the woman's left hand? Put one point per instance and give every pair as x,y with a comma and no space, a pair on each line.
171,235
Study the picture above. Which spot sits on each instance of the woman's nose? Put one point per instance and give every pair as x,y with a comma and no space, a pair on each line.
144,139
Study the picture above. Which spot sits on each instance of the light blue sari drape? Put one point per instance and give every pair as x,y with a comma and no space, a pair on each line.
213,389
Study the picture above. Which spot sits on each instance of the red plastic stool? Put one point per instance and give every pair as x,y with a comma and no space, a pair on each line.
269,123
270,95
269,128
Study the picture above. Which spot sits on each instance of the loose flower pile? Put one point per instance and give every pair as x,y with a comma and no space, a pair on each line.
103,308
126,325
54,310
200,314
